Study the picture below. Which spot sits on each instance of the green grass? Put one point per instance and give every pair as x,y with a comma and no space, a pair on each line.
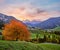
39,32
57,28
0,30
50,46
33,35
22,45
18,45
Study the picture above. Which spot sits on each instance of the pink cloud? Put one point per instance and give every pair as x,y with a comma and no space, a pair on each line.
29,12
1,1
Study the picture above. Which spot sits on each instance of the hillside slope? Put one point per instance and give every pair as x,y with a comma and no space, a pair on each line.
21,45
50,23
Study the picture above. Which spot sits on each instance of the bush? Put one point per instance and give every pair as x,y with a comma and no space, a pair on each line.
0,33
57,32
0,37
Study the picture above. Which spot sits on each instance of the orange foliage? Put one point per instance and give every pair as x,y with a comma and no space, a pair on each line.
16,31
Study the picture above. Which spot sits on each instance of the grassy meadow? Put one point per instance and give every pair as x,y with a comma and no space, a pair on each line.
23,45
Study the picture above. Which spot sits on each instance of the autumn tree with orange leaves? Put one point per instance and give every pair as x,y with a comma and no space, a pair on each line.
16,31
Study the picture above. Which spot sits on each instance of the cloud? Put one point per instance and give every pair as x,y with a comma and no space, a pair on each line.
1,1
28,11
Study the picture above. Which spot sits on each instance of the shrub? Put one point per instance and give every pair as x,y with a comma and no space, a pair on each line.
57,32
0,37
0,33
1,24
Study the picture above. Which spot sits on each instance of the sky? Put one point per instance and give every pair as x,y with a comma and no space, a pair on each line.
31,9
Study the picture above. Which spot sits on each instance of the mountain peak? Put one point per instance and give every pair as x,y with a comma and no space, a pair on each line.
6,18
50,23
